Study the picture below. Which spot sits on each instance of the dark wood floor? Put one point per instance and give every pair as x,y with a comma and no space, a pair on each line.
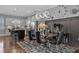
8,46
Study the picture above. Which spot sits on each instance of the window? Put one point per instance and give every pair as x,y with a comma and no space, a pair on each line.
2,27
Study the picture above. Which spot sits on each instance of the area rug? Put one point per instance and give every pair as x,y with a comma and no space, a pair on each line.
34,47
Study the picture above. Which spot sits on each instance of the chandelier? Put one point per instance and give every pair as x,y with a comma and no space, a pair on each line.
38,15
42,15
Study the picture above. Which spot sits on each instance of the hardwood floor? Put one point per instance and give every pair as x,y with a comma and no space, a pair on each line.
8,46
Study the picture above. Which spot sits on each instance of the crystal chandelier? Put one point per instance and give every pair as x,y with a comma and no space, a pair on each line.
44,14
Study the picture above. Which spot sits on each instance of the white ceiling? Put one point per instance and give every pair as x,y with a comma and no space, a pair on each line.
22,10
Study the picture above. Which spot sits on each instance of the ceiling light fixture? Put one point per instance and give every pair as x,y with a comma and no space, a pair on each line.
44,14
